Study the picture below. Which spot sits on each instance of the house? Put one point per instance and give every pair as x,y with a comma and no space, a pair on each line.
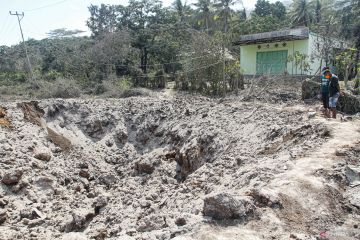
293,51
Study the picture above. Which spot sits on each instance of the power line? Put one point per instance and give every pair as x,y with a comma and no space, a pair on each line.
5,33
186,60
5,23
46,6
165,75
191,70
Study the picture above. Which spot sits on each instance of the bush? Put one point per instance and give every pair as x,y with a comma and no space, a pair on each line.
159,79
60,88
115,87
52,75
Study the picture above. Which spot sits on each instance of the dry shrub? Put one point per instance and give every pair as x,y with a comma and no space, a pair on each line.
61,88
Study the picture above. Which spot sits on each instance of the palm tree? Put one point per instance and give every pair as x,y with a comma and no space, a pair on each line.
318,11
349,14
205,7
181,9
224,7
302,13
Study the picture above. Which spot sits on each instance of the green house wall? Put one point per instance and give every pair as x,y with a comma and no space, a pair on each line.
248,55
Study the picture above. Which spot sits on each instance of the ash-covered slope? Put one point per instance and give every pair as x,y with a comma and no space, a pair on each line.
148,168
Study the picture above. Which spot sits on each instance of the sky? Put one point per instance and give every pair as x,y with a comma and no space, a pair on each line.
41,16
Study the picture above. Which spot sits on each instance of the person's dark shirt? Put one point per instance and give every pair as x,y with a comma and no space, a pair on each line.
334,86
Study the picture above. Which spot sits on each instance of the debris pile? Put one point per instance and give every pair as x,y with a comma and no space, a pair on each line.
149,168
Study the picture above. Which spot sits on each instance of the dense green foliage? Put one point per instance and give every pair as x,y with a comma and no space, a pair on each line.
146,44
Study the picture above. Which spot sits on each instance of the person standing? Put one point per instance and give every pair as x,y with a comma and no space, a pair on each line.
334,93
325,80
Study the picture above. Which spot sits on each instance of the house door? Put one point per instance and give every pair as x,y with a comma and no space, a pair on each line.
274,62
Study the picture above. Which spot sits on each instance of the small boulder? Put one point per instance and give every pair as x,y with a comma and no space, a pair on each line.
100,202
43,154
311,114
12,178
3,216
265,198
353,195
121,136
180,221
352,174
31,214
341,152
225,206
3,202
144,166
107,179
78,220
151,223
84,173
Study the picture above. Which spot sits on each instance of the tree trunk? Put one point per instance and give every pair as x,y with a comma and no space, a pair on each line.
207,23
346,77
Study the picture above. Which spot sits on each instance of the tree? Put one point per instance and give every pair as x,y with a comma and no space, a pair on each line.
318,11
144,19
278,10
347,62
302,13
224,8
243,15
263,8
102,19
182,9
204,8
349,14
301,61
257,24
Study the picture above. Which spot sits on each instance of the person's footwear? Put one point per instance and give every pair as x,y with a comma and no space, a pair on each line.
333,111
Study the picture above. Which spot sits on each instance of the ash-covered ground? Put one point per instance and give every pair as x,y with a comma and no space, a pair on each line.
179,167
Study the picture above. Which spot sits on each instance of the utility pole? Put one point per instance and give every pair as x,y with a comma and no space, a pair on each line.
22,36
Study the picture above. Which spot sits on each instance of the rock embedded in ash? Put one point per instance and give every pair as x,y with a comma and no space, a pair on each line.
109,143
353,195
352,174
145,204
84,173
78,220
341,152
3,202
31,214
265,198
121,136
43,154
180,221
311,115
226,206
151,223
108,179
144,166
95,128
3,216
100,202
12,178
